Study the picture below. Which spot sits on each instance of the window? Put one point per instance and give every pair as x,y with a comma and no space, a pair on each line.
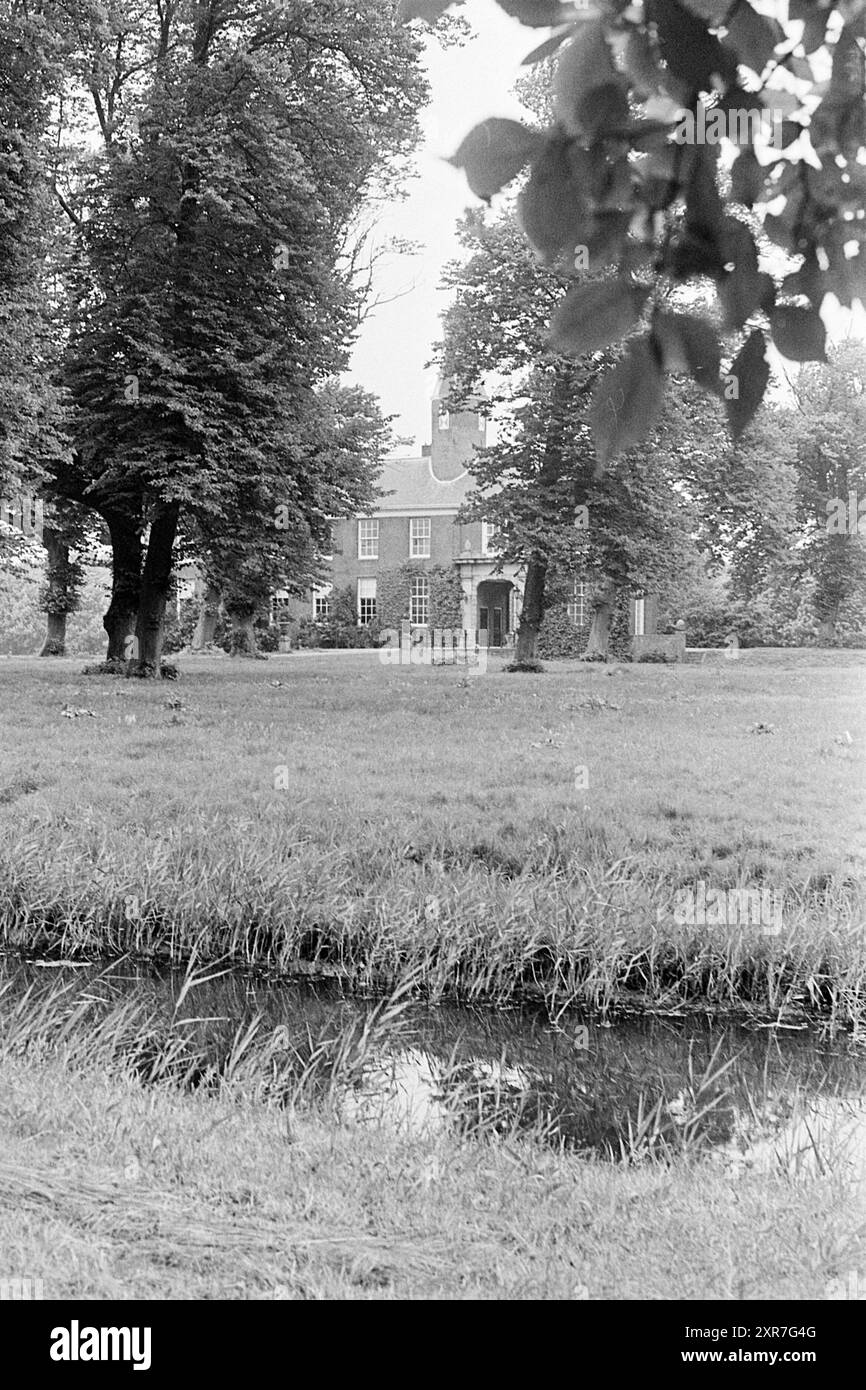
419,537
322,602
482,423
488,538
368,540
280,608
366,601
639,616
444,420
577,604
419,602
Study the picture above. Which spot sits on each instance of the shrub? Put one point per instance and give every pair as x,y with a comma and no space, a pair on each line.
558,635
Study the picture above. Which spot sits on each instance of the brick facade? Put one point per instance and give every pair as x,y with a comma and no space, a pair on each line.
430,489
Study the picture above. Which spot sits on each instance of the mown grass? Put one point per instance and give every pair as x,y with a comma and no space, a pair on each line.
435,822
130,1169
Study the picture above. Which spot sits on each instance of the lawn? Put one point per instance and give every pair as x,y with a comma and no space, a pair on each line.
484,836
110,1189
495,833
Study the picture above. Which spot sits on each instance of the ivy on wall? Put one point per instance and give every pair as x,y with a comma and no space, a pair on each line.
559,636
393,588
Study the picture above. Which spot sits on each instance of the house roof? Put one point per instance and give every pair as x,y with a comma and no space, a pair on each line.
410,484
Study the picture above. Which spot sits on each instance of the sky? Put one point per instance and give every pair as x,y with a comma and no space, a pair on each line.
468,84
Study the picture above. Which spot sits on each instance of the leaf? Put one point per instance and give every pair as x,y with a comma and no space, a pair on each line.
847,278
604,109
689,50
750,372
494,153
552,207
688,344
642,63
431,10
800,68
789,131
537,14
548,48
799,334
753,36
747,179
808,280
713,11
743,292
704,209
816,27
593,316
626,401
743,289
583,65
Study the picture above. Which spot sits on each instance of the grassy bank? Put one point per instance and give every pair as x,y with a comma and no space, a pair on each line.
117,1180
494,833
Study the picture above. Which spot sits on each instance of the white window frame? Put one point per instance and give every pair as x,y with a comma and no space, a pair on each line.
368,585
423,540
488,538
419,601
444,419
640,616
322,595
368,538
577,604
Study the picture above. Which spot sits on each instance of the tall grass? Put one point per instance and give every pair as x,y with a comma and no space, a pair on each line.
434,827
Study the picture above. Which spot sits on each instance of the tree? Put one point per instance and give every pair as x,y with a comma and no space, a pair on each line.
643,193
63,535
209,301
31,411
555,510
831,481
347,438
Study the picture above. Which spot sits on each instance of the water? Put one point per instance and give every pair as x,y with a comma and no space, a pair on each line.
753,1097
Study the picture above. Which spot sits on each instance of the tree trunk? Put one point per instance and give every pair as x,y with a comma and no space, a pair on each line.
55,636
58,598
243,632
532,611
598,641
205,629
155,584
120,619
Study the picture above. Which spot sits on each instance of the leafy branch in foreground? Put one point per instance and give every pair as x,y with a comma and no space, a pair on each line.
629,178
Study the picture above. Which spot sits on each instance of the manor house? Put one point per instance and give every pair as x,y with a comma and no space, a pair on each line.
416,520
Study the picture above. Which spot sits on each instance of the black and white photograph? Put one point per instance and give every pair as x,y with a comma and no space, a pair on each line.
432,670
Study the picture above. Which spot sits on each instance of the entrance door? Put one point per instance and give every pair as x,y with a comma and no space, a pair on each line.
498,627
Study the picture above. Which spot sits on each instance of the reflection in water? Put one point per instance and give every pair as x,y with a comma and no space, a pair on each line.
757,1099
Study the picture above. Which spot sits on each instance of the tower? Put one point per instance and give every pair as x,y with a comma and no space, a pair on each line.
454,435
